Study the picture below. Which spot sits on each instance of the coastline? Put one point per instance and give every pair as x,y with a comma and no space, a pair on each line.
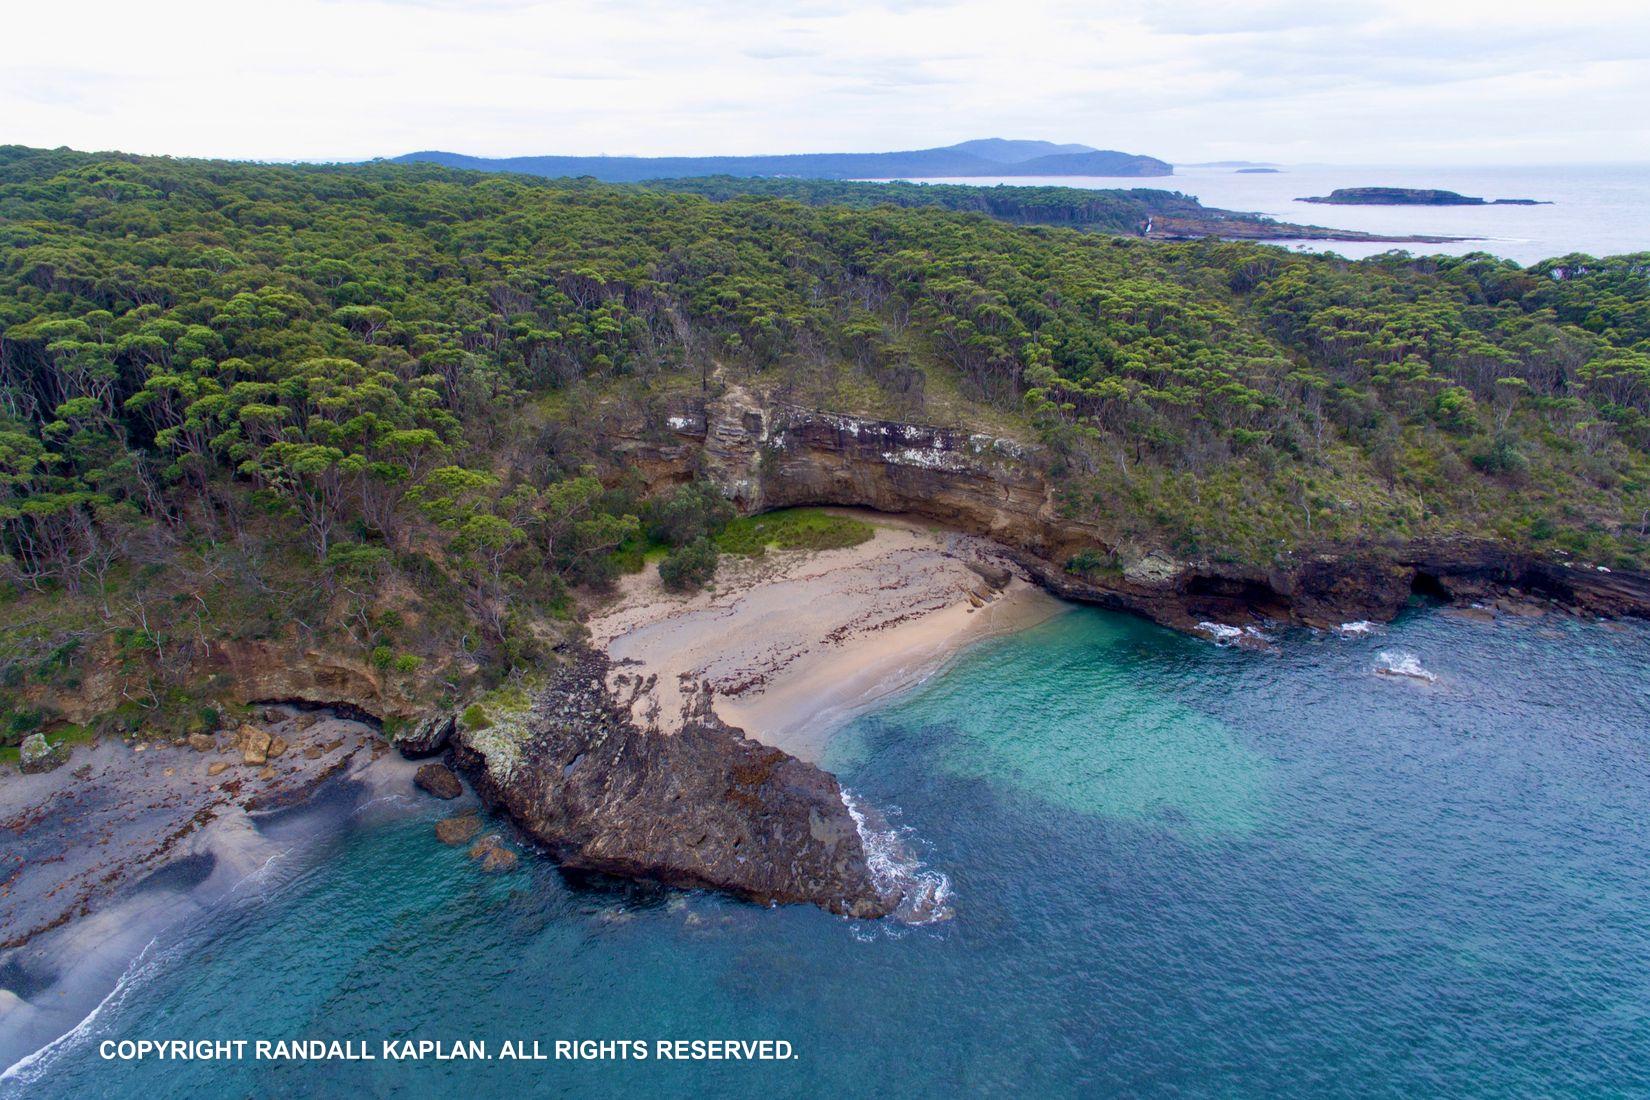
118,852
795,643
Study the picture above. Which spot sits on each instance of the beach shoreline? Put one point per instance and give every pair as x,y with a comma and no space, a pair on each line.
114,854
795,643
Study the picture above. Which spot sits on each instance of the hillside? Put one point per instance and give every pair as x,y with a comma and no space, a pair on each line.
984,157
362,425
1135,211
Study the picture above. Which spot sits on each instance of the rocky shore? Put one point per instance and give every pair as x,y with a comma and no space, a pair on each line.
102,855
768,454
699,806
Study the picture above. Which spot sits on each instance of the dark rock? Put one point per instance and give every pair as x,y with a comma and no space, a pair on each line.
439,780
992,573
704,807
457,830
428,737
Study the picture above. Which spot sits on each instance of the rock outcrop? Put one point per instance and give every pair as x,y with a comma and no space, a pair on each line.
768,454
426,737
37,755
438,780
702,807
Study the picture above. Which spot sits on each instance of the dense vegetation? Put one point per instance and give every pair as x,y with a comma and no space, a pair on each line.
374,400
1124,211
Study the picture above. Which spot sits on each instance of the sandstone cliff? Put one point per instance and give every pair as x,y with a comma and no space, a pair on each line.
767,454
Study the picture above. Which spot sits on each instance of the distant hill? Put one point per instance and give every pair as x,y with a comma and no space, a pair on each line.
983,157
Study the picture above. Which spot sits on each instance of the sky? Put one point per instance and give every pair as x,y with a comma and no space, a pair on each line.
1456,82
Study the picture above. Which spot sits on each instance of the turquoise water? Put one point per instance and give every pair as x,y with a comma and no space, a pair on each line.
1175,870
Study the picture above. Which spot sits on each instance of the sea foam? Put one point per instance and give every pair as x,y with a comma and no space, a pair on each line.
1390,662
925,895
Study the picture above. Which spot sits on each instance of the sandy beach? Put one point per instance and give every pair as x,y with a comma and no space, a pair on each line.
794,643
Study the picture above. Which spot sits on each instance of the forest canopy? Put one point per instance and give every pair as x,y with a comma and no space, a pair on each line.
379,371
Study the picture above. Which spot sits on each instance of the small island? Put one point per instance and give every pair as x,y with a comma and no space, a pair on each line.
1258,171
1411,196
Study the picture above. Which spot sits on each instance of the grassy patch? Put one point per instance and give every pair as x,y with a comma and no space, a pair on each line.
792,529
68,733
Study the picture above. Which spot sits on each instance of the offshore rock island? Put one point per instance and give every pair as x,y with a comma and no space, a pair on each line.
588,492
1411,196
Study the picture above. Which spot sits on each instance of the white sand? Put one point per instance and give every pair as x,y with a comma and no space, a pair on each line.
794,643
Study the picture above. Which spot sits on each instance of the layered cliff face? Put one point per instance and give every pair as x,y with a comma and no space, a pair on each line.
698,807
767,454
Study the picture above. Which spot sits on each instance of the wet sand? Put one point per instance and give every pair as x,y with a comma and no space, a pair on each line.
794,643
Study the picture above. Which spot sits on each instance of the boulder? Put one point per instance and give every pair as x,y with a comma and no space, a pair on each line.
38,755
439,780
995,575
428,737
202,742
305,720
277,746
457,830
493,856
217,767
254,743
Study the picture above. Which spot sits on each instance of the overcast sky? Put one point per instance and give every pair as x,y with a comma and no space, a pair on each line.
1378,81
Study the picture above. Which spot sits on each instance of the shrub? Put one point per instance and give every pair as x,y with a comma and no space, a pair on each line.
689,568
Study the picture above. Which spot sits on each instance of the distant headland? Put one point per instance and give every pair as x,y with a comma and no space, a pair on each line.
1411,196
983,157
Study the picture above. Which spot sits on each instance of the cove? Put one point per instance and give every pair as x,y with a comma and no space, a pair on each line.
1175,869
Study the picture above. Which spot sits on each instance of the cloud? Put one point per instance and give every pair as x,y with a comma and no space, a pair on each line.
1383,80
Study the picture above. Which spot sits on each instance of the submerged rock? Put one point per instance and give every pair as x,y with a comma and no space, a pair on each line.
493,856
457,830
439,780
703,807
39,755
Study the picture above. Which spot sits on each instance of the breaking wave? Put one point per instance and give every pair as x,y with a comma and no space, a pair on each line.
925,894
1402,663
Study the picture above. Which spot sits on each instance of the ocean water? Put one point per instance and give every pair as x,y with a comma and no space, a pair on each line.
1173,869
1597,209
